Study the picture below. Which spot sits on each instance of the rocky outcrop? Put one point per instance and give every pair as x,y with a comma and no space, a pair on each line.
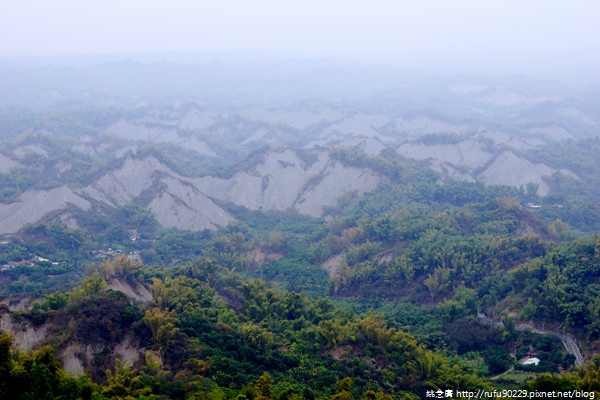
307,181
7,163
120,186
26,336
468,153
136,292
140,132
553,132
287,180
357,125
181,205
34,205
75,355
335,180
22,151
472,160
127,351
371,146
511,170
417,125
299,119
196,119
151,132
284,181
333,264
72,364
174,200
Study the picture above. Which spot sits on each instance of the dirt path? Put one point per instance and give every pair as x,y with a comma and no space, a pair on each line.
511,369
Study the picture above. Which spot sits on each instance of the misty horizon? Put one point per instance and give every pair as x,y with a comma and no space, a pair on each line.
498,38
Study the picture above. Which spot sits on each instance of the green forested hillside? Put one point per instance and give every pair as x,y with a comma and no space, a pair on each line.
210,333
419,284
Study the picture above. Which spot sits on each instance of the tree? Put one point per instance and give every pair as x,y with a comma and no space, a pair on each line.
344,390
532,189
117,234
463,304
547,382
89,287
278,241
510,326
204,269
162,325
175,294
497,359
55,301
6,364
528,310
138,216
400,269
437,281
261,389
125,383
334,334
93,285
38,375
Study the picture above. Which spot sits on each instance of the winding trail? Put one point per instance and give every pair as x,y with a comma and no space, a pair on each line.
511,369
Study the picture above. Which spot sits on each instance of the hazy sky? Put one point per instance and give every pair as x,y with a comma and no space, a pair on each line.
383,29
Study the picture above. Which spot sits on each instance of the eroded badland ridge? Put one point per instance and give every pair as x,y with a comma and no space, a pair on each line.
175,232
493,140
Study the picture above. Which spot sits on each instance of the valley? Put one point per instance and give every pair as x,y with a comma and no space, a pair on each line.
209,240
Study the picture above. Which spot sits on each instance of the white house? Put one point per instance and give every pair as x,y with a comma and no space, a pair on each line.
530,361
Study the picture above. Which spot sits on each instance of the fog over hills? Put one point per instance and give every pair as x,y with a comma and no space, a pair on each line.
56,120
299,200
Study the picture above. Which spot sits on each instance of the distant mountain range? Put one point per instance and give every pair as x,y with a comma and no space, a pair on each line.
84,138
